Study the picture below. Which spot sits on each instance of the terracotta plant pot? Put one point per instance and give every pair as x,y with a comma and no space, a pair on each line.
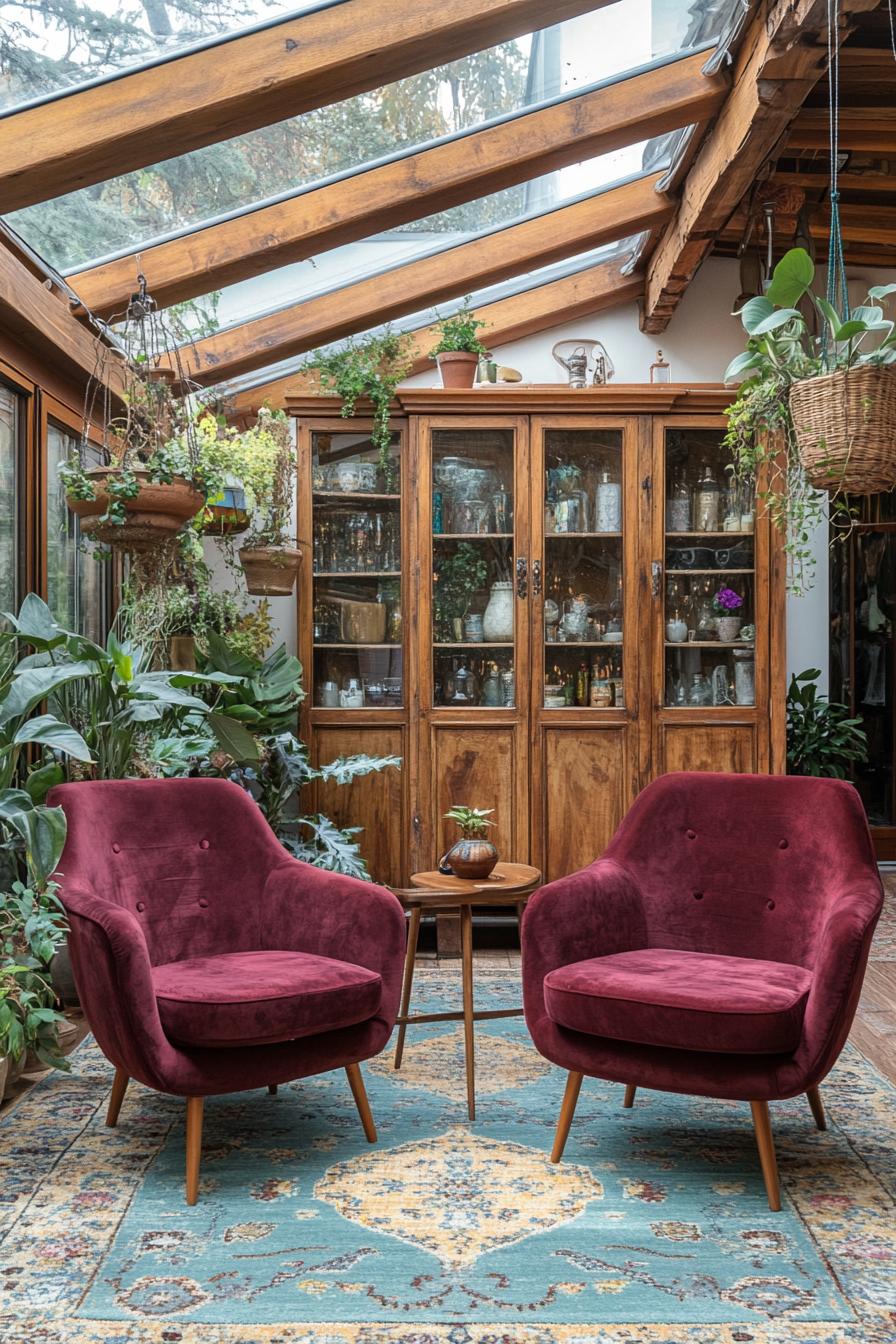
270,571
182,653
472,859
227,515
158,512
457,368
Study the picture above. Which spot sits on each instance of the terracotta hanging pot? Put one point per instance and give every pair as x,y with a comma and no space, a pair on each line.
227,514
457,368
157,513
271,571
845,425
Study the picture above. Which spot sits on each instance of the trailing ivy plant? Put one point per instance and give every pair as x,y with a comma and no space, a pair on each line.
371,369
822,737
459,332
782,350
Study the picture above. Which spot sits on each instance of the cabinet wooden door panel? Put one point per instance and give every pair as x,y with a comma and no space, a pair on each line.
479,767
585,792
374,802
724,746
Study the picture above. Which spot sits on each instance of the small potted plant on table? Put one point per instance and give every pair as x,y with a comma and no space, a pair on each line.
473,856
459,348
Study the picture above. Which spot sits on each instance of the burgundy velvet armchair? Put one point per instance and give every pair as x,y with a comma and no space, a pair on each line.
207,959
717,948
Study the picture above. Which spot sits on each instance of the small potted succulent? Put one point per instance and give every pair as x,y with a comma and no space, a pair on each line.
459,348
473,856
726,605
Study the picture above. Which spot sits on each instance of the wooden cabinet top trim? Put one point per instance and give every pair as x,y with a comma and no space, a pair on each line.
540,398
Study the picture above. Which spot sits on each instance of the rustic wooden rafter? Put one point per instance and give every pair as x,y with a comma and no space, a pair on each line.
866,130
412,186
510,319
489,259
779,61
241,82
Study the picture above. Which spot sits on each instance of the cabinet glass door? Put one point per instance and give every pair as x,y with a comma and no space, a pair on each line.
710,586
473,593
357,639
583,568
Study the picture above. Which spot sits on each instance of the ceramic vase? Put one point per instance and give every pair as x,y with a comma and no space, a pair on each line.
728,628
497,623
744,677
472,859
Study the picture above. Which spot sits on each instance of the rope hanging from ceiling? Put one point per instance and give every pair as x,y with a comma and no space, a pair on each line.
837,294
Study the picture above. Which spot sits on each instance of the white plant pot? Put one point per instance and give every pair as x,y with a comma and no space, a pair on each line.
497,623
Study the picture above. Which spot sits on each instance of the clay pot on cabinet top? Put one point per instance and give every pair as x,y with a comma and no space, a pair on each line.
457,368
472,859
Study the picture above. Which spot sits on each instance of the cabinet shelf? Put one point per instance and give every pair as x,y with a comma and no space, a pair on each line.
348,645
472,536
708,644
357,574
582,644
471,644
352,495
578,536
684,573
709,534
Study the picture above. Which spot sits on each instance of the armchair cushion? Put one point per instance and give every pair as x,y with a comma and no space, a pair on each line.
257,998
683,1000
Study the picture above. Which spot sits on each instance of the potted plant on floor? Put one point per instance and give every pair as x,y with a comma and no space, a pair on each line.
814,413
823,738
473,856
269,555
459,349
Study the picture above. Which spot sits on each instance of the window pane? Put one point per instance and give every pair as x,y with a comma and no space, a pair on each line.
10,430
77,583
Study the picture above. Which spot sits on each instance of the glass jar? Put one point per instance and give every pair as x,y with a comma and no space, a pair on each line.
678,505
701,690
707,500
352,694
608,511
491,686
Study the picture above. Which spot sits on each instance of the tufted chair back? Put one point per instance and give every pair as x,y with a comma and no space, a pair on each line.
743,865
188,857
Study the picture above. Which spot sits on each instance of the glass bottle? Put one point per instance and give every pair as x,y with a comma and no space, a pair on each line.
582,684
491,686
701,690
660,370
608,512
569,689
706,501
678,505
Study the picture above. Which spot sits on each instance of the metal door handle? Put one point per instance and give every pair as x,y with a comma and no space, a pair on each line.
656,577
522,583
536,578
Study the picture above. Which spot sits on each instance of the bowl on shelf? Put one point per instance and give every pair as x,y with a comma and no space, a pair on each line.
691,557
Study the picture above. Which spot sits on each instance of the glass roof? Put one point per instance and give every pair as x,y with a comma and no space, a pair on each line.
48,46
179,194
621,250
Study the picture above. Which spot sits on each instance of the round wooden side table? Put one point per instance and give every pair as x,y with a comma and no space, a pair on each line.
509,884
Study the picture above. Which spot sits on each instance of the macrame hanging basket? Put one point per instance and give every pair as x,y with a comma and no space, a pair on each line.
845,426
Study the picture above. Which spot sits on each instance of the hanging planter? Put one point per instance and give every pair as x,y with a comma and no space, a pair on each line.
227,515
271,571
154,514
845,427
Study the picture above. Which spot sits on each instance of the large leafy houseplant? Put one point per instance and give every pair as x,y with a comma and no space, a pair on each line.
822,737
370,369
770,435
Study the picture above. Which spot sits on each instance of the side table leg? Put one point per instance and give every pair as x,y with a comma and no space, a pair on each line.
466,941
409,958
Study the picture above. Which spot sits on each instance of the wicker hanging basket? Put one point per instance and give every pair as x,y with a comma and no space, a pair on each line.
845,425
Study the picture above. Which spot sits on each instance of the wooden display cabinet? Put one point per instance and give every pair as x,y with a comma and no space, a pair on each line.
520,609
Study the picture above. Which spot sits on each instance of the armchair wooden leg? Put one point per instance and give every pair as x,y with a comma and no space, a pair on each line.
766,1145
567,1111
119,1087
409,958
194,1146
359,1092
272,1089
817,1106
630,1090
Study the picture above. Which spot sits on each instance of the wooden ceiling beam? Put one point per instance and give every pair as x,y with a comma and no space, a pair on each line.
41,317
486,260
780,59
511,319
241,82
872,183
417,184
865,130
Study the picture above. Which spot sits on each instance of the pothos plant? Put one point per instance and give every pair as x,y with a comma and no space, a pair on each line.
368,368
782,349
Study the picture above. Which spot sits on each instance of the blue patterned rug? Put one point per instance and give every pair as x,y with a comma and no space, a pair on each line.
654,1228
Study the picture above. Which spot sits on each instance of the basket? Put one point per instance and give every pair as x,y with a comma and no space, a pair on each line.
845,425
